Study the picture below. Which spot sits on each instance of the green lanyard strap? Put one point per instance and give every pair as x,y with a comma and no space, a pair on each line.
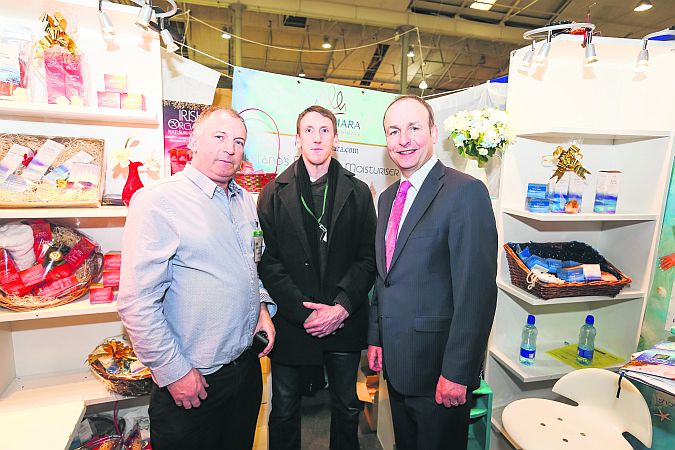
323,209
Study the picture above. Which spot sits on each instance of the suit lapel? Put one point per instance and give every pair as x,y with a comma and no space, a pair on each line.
387,200
432,184
343,190
291,203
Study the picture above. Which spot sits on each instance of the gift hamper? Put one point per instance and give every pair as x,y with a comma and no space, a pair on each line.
43,265
116,365
249,179
613,280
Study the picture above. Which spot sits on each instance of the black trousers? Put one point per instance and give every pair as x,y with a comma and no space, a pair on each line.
422,424
284,421
225,420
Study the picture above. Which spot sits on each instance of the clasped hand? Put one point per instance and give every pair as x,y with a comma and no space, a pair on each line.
325,319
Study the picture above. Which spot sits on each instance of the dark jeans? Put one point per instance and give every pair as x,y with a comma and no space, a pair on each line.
226,419
422,424
284,422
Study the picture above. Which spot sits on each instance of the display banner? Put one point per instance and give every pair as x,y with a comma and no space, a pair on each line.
179,118
270,104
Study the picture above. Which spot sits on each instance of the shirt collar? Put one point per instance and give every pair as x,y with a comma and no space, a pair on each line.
417,178
206,184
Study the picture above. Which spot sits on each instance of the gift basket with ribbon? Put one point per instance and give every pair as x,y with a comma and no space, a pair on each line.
249,179
115,364
43,265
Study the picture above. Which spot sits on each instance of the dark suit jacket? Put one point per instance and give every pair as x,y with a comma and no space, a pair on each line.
432,312
291,276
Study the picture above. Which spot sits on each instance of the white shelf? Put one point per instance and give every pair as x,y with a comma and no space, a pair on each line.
56,425
54,213
592,133
53,389
582,217
78,114
79,307
546,367
509,288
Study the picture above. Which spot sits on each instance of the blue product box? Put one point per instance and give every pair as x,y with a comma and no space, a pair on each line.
536,190
537,262
537,205
553,265
570,263
525,253
571,274
607,191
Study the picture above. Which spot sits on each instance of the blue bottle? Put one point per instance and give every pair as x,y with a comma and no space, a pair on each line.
586,342
528,344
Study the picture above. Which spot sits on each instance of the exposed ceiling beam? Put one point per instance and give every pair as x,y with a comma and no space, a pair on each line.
372,16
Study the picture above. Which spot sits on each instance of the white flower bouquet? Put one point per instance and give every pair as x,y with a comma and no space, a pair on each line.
479,134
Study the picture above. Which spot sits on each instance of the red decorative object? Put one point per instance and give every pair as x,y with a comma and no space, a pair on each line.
133,183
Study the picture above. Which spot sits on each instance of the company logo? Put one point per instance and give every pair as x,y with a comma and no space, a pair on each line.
185,121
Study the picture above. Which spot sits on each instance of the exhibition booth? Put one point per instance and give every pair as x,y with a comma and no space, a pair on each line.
580,168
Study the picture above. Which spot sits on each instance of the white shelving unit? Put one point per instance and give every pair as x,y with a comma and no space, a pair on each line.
613,132
44,112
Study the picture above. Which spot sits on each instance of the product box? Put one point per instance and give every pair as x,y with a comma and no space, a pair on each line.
111,278
575,194
536,190
115,83
100,294
112,261
537,205
108,99
132,101
557,193
607,191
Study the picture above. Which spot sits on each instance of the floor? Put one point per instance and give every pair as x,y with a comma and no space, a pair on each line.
316,424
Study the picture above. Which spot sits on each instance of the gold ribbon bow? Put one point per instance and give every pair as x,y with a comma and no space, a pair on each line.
115,350
568,161
55,33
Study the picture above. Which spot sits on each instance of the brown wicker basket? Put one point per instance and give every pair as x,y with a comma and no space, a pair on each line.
519,271
89,271
255,182
122,381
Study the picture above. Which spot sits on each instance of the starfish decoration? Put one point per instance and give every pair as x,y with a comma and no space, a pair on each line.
663,416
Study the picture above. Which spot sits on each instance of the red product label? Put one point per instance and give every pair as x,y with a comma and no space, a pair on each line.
61,271
55,76
42,234
112,261
32,276
111,278
100,294
79,252
7,266
58,287
72,66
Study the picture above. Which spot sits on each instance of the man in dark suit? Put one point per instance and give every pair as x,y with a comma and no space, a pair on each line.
435,290
318,222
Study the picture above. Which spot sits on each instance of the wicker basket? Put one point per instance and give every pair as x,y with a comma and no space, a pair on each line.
89,271
576,251
121,382
255,182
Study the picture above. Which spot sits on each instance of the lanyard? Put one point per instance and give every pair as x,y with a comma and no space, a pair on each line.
324,230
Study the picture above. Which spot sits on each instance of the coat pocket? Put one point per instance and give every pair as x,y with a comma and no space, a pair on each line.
432,324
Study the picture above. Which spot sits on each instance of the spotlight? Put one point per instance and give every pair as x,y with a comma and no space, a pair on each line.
302,73
144,16
226,34
643,59
591,57
643,5
423,84
326,44
106,24
542,56
168,41
411,52
527,59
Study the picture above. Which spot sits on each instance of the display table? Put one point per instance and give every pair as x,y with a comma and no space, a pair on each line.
44,427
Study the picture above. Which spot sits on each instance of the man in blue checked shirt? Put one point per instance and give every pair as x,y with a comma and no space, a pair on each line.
190,297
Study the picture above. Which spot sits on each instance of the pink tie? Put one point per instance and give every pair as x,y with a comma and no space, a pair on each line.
395,220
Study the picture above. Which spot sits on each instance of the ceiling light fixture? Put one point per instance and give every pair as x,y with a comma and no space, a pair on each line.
527,58
423,84
483,5
326,44
147,14
171,46
411,52
225,34
144,16
591,56
106,25
643,57
542,55
643,5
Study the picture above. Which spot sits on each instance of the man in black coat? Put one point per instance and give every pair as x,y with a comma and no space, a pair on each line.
318,222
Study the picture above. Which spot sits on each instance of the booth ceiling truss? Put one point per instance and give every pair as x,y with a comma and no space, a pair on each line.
454,46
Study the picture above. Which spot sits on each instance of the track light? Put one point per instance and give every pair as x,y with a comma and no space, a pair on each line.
106,25
302,73
168,41
527,58
411,52
591,57
643,5
423,84
326,44
542,56
144,16
225,34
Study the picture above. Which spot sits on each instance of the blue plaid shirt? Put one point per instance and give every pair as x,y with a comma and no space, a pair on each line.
189,290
